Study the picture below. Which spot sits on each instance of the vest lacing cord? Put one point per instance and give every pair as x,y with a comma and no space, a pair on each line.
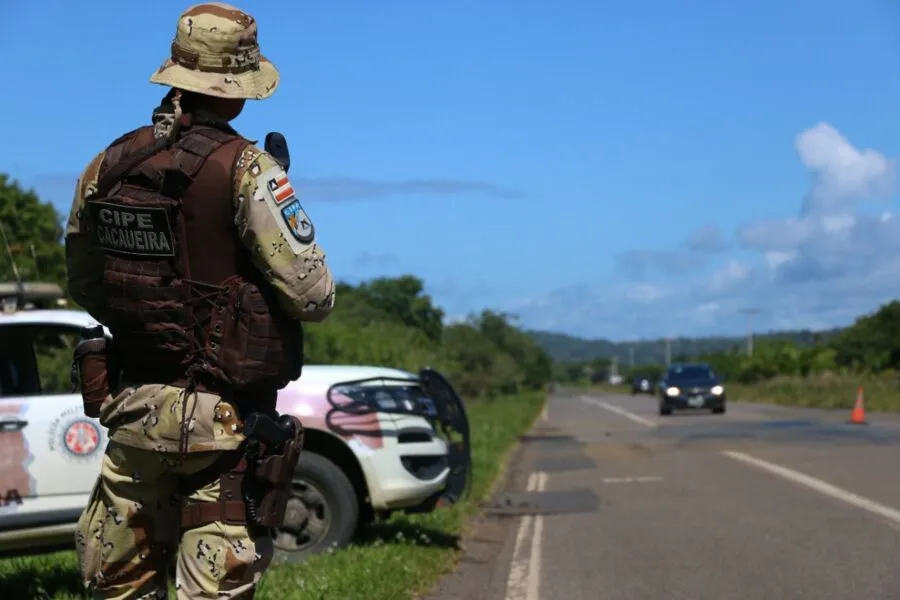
196,358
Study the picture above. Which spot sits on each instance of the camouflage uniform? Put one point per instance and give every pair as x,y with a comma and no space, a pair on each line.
129,532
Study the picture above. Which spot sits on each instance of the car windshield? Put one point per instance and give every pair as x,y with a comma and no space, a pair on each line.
691,372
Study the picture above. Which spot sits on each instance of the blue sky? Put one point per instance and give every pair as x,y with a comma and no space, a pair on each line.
604,169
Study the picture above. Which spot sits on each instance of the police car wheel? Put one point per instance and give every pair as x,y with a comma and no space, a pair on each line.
322,511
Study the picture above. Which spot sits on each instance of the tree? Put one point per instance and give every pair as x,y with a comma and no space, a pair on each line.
34,234
403,298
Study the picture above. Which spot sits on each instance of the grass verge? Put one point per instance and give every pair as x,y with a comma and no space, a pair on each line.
822,391
817,391
401,558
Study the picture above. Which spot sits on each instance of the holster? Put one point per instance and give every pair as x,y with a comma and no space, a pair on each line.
90,372
275,473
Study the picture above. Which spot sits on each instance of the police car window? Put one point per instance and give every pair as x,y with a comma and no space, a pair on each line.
36,359
18,375
53,347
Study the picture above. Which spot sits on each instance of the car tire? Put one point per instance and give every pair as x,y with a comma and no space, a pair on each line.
321,494
665,411
719,410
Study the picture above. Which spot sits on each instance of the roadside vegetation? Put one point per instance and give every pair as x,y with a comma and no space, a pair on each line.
825,371
498,369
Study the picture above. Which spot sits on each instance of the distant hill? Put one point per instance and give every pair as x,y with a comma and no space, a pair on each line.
566,348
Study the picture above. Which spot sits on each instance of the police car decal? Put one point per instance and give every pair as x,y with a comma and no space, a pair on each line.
74,436
15,457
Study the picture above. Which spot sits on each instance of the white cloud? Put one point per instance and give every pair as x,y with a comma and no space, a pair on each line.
644,292
842,174
825,265
692,254
727,277
775,259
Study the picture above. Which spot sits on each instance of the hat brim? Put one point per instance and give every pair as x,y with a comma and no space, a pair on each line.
251,85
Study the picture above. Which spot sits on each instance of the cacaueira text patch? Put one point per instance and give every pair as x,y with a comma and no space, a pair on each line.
144,231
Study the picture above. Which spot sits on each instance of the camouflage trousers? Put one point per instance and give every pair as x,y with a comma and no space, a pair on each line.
129,533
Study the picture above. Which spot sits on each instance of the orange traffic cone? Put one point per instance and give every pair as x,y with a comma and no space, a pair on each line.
858,414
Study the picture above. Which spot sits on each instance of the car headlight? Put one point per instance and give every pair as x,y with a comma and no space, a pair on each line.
672,391
717,390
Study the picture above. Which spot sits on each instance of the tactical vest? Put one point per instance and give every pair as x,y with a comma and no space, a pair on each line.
185,304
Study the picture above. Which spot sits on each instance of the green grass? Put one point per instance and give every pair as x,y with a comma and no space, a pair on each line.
822,391
398,559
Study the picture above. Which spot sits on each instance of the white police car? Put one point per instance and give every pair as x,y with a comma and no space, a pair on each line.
377,440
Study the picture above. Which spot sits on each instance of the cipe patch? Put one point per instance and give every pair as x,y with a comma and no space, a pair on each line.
75,436
144,231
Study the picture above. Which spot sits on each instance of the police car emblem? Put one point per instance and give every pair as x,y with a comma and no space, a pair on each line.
298,222
82,438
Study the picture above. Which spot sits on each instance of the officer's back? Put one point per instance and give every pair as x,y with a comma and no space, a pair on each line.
189,243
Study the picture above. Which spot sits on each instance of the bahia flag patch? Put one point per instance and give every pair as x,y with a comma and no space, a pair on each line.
281,188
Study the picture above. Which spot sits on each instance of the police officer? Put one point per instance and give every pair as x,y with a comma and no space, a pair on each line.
189,244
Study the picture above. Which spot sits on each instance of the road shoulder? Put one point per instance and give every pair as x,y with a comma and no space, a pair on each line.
483,568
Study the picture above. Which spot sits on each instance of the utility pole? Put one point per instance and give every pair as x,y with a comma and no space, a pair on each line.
750,312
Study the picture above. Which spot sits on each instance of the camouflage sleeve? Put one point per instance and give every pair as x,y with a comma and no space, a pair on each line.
280,235
84,265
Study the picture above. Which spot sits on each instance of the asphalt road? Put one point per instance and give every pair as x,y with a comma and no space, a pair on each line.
762,503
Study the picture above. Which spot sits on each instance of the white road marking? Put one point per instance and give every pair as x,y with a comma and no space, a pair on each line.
647,479
524,577
517,582
619,411
823,487
534,568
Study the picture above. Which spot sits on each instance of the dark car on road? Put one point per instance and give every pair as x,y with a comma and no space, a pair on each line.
691,386
643,385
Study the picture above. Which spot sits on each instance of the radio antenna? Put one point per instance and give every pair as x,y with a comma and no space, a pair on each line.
20,286
12,261
37,269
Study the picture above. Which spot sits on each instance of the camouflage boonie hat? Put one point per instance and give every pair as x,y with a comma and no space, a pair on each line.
216,52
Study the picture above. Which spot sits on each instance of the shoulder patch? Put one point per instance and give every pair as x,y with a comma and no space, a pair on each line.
281,188
299,222
275,189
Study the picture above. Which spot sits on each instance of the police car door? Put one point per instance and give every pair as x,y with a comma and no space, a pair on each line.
49,451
